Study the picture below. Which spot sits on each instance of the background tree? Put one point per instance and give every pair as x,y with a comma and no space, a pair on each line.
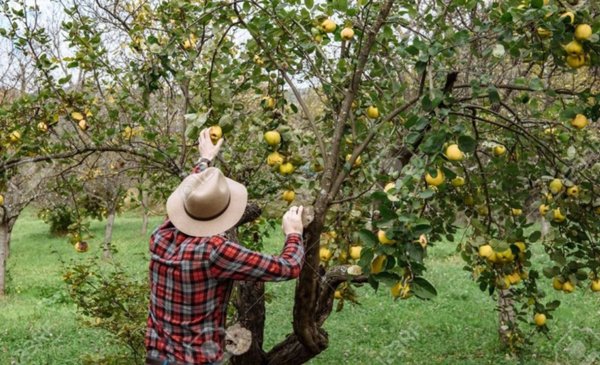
105,190
25,185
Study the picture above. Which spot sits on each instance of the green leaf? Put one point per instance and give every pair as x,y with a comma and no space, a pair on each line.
373,282
412,50
415,252
537,4
551,272
433,142
461,37
64,80
416,123
506,18
536,84
581,274
467,143
493,95
520,81
387,277
483,285
192,132
422,221
568,113
559,258
428,104
366,256
426,194
412,137
367,238
341,5
421,228
379,195
309,3
423,288
535,236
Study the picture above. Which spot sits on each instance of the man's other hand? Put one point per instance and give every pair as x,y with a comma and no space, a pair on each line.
206,148
292,221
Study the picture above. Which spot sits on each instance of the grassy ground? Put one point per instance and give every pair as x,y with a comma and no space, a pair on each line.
38,325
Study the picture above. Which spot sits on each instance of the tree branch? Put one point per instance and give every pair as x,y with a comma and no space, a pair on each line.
174,169
516,87
290,83
482,174
334,277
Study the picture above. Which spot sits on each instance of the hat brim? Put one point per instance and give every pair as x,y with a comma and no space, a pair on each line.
205,228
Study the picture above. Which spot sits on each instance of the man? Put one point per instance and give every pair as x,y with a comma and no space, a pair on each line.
193,265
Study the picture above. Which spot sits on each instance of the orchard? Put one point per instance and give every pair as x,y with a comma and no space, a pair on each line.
401,125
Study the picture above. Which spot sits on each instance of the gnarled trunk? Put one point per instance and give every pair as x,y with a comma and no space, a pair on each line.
308,290
290,352
250,304
312,305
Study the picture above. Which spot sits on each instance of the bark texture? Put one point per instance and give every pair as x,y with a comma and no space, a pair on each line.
250,304
3,255
507,316
6,227
145,210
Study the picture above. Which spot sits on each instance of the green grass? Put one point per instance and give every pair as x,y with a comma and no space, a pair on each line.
38,325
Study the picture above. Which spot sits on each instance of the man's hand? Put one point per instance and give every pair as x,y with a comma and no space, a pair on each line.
292,220
206,148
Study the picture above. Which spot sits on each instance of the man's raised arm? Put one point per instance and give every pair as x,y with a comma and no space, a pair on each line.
229,260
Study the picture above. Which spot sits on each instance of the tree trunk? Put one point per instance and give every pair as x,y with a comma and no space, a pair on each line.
6,241
251,310
110,220
145,210
290,352
250,304
6,227
308,290
4,244
507,316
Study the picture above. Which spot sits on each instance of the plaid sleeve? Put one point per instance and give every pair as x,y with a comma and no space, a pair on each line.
162,234
230,260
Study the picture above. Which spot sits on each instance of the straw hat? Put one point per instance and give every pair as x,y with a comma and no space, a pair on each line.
206,203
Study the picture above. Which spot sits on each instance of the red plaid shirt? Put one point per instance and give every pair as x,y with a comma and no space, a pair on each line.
191,279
